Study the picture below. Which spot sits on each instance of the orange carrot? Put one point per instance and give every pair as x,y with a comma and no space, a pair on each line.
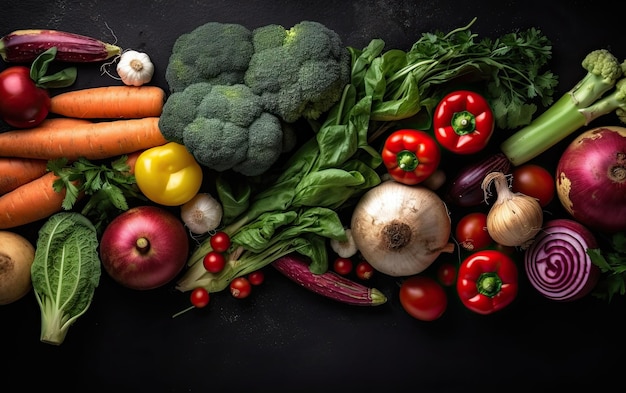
61,122
95,140
30,202
110,102
15,172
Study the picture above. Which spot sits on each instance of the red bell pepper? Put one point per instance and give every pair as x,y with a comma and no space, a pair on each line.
463,122
487,281
410,156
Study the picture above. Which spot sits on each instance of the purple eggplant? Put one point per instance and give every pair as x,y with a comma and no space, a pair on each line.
465,189
23,46
328,284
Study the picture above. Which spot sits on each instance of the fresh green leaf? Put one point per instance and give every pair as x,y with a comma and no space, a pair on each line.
65,272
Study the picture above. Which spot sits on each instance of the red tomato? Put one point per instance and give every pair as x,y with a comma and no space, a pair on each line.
342,266
214,261
240,287
256,277
423,298
471,231
535,181
199,297
22,103
446,274
364,270
220,242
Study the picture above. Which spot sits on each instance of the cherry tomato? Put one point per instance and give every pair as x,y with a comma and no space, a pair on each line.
535,181
214,261
364,270
240,287
199,297
342,266
446,274
22,103
423,298
256,277
220,241
471,231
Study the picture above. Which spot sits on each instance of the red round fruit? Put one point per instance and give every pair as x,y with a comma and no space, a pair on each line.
446,274
22,103
364,270
199,297
471,231
240,287
423,298
214,261
256,278
342,266
220,241
535,181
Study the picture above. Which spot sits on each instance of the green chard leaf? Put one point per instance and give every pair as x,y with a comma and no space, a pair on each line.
65,272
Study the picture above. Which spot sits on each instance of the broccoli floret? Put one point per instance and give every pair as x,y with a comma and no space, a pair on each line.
578,107
181,109
299,72
218,53
229,128
603,70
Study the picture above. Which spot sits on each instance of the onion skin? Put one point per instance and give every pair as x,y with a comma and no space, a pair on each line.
143,268
591,179
465,189
400,229
557,264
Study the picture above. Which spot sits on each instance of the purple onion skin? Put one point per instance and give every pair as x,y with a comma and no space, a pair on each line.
591,179
557,264
465,189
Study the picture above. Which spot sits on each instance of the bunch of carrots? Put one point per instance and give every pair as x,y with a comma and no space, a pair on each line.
94,123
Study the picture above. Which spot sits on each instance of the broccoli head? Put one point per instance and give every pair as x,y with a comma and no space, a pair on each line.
228,128
218,53
603,71
298,72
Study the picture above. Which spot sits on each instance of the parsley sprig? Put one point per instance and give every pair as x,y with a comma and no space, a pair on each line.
107,187
612,264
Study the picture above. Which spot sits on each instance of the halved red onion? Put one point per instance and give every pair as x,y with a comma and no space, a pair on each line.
557,264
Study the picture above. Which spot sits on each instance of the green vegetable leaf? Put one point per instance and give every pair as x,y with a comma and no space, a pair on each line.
65,272
107,187
612,264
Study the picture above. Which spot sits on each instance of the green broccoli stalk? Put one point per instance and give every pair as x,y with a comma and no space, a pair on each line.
578,107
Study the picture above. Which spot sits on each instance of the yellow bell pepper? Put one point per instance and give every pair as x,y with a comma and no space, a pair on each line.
168,175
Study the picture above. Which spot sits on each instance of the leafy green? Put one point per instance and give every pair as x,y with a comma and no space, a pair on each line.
65,272
612,264
509,71
107,187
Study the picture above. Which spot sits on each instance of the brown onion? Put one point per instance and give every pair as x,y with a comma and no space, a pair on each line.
400,229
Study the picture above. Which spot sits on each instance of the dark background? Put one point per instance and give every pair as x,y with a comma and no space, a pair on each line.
284,338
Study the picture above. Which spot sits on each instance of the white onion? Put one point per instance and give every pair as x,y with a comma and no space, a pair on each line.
400,229
557,263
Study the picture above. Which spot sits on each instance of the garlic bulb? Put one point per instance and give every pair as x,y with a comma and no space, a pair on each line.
345,249
135,68
202,213
515,218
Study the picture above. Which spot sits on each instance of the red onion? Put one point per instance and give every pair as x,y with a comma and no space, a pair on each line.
557,264
591,179
144,247
465,189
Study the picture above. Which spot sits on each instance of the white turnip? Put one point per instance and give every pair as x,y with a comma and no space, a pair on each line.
399,229
16,258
